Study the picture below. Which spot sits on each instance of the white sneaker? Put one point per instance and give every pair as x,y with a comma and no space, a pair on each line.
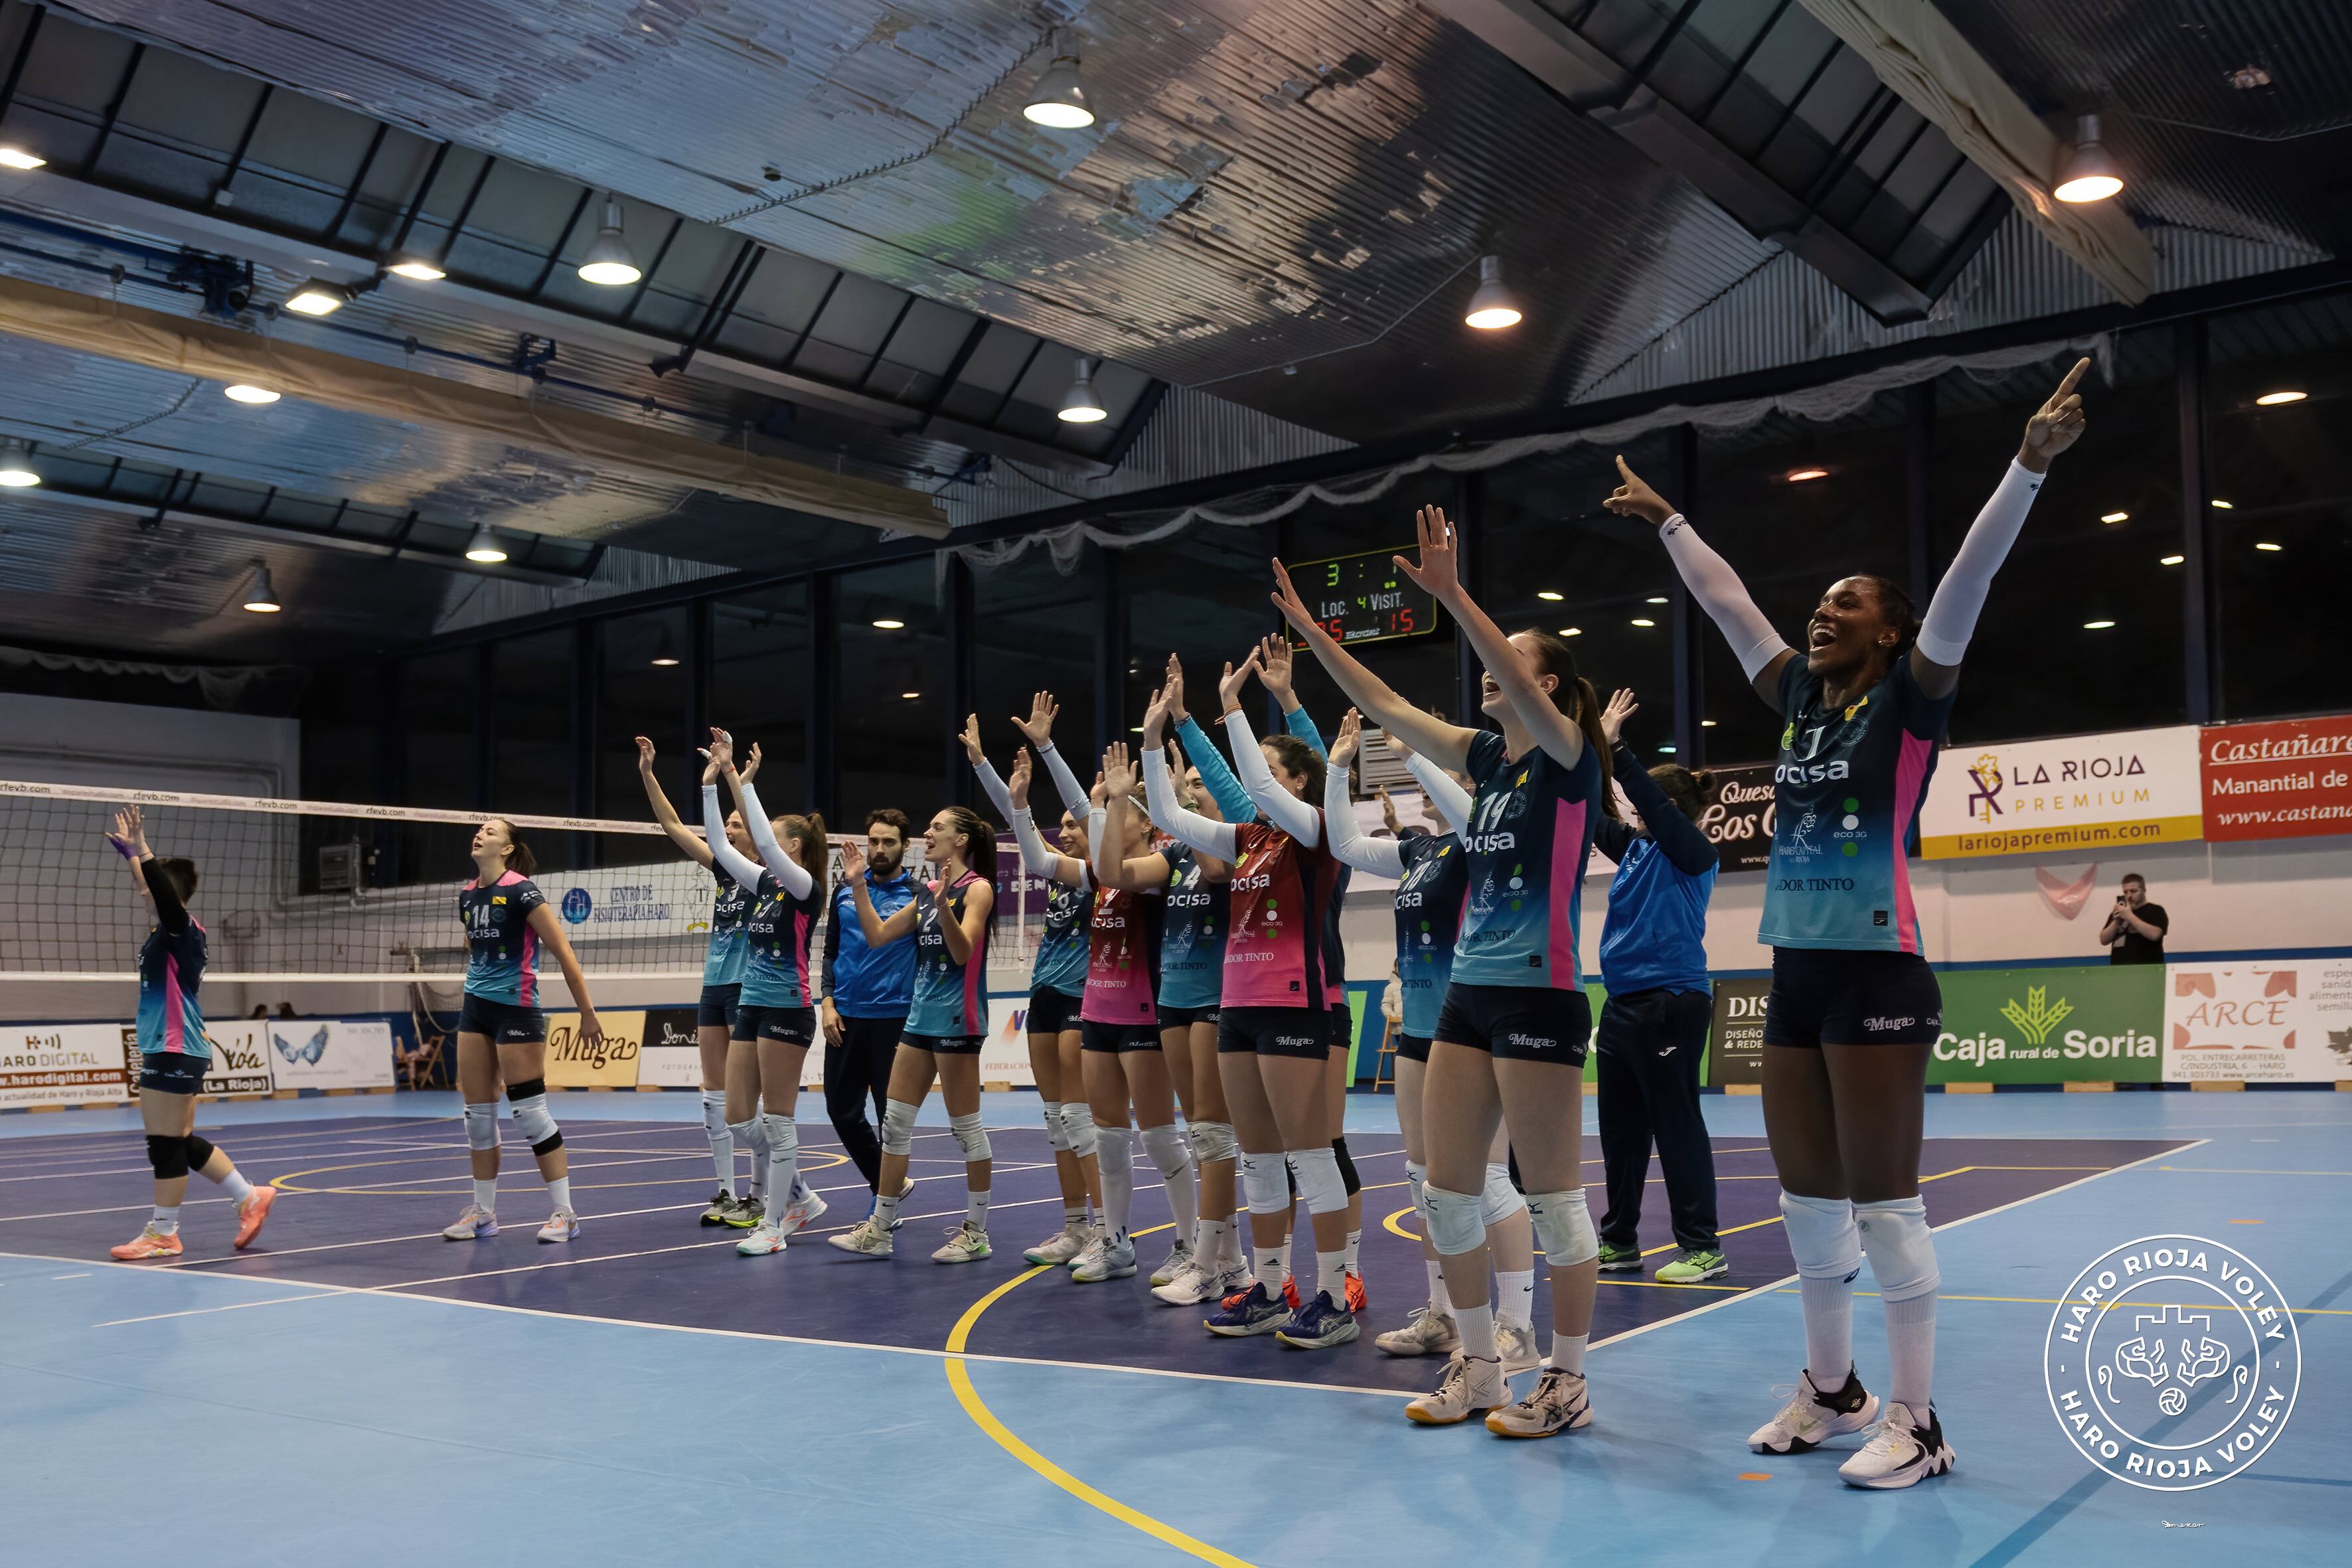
1557,1404
1105,1261
1060,1247
1426,1333
967,1242
1812,1415
1090,1251
1180,1258
1469,1388
1902,1452
1517,1346
562,1225
1192,1286
800,1214
906,1190
865,1239
476,1222
1237,1277
762,1240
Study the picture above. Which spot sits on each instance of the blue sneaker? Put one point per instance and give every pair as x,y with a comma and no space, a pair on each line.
1319,1325
1256,1313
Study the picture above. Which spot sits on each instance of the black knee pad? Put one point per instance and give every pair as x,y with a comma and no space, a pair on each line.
549,1145
168,1155
521,1091
200,1151
1346,1168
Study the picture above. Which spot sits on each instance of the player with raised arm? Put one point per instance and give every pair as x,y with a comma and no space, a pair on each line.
1854,1010
173,1052
1512,1032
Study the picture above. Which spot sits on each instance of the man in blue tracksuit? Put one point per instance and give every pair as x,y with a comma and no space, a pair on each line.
867,994
1653,1025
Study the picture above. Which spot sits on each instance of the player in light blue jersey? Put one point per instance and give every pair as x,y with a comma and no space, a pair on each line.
1854,1009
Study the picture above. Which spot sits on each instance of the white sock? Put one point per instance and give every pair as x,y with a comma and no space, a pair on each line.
975,1208
1911,1350
1515,1297
1115,1158
485,1195
747,1135
886,1209
722,1140
1437,1301
1828,1330
1073,1218
237,1188
166,1221
1172,1156
1331,1275
1235,1257
1287,1243
1568,1351
1211,1249
1355,1245
783,1140
559,1191
1272,1269
1477,1326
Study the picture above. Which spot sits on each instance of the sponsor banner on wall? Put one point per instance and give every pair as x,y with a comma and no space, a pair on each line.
1737,813
328,1053
1004,1055
241,1059
2292,779
64,1064
2100,1022
2259,1023
609,1063
2085,792
1735,1040
634,902
669,1057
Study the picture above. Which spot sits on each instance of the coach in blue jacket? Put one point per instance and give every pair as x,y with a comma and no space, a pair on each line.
867,994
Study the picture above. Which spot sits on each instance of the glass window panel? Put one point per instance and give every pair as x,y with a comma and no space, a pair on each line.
759,686
1200,596
530,729
639,697
1034,630
891,726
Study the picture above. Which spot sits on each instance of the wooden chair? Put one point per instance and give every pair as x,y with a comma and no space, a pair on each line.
1384,1064
419,1066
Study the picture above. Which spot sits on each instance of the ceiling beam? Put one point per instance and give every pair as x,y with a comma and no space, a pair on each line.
217,351
1924,60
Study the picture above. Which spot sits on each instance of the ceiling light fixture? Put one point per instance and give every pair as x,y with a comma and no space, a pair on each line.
18,158
16,466
1493,306
2272,399
1644,621
1655,599
259,596
245,392
911,696
419,268
2171,560
485,547
2087,174
1059,101
1549,597
1807,474
665,651
1080,405
1667,750
2223,505
1571,631
1706,723
608,263
2115,517
2098,626
889,626
318,297
2266,544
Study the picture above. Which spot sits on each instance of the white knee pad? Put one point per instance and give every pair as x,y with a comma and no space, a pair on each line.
482,1126
1821,1236
535,1123
1078,1126
783,1142
1501,1200
1114,1151
1057,1138
971,1137
898,1127
747,1133
1902,1252
1454,1224
1321,1186
1166,1146
1215,1141
1265,1184
714,1111
1416,1178
1564,1232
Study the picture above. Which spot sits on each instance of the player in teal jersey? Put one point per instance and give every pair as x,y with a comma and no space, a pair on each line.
723,978
1854,1010
1511,1036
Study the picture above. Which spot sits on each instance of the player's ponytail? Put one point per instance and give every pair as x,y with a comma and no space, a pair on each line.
181,872
815,851
519,858
1573,695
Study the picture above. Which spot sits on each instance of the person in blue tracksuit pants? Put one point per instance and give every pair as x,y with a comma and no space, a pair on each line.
867,992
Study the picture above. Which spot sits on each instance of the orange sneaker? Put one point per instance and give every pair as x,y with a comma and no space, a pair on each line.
1356,1298
148,1243
251,1213
1290,1293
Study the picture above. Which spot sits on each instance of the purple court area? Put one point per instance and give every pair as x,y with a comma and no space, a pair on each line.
363,1201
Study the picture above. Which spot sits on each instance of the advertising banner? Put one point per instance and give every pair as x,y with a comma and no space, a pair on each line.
1736,813
611,1063
64,1064
2292,779
2259,1023
328,1053
632,901
1735,1041
241,1059
669,1057
2096,1024
2085,792
1004,1055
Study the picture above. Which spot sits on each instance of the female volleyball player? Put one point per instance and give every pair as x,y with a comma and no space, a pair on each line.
774,1021
950,920
1855,1008
1057,986
1273,1036
1511,1035
1432,885
174,1053
502,1033
1652,1027
722,973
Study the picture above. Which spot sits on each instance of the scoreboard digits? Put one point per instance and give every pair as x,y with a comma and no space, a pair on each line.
1364,598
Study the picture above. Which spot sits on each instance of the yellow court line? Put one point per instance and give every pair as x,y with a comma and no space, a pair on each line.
985,1419
2227,1171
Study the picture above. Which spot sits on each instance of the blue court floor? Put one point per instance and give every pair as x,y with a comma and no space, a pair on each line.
354,1390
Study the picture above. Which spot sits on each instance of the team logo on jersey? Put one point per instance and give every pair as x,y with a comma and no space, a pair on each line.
2172,1362
1800,835
1850,828
1857,708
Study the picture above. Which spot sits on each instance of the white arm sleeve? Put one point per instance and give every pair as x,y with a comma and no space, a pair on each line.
1097,861
1074,793
1282,809
1204,833
714,833
786,870
1036,857
999,795
1351,844
1452,801
1959,598
1720,593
